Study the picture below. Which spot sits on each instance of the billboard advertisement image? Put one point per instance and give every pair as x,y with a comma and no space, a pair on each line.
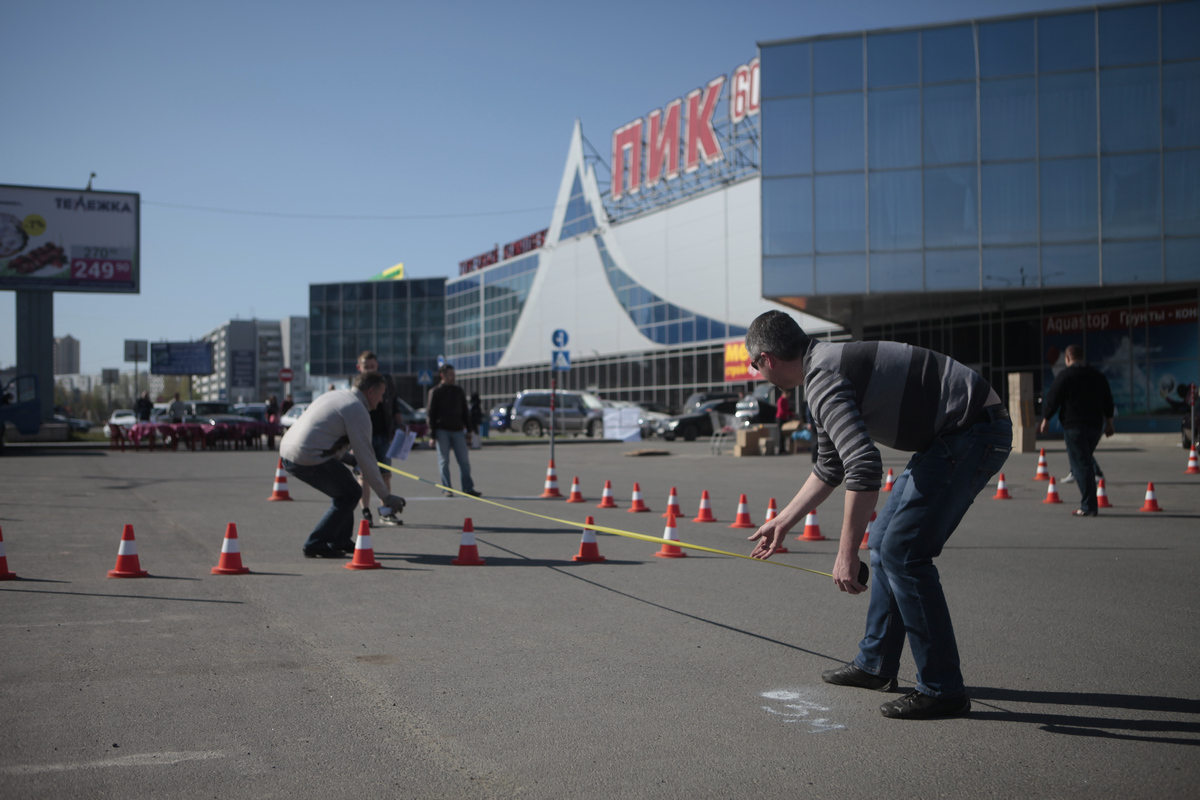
69,240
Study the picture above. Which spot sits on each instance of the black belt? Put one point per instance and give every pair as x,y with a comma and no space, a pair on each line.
993,413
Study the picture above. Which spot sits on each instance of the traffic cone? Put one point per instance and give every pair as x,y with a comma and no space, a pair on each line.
1002,489
1151,503
280,491
364,554
1052,493
637,504
887,484
1193,464
576,495
588,549
812,528
230,562
1043,472
127,558
772,513
1102,495
867,535
742,520
672,504
551,488
468,552
705,513
5,575
670,550
606,497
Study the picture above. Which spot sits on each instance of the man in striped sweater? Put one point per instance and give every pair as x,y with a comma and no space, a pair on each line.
907,398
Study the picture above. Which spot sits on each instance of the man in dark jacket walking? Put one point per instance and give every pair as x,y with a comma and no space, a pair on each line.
450,425
1083,401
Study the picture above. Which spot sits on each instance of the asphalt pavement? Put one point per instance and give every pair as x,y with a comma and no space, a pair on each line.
536,676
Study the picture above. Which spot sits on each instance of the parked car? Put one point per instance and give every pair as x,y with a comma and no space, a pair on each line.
696,399
293,414
500,420
648,420
574,412
256,411
123,417
696,423
758,407
76,424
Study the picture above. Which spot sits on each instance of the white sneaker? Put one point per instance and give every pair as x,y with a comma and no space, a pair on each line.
1069,479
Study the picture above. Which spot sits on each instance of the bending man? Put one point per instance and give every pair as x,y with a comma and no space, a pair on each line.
312,451
907,398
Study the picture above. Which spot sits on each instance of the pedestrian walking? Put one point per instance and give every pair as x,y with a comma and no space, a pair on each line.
1082,398
907,398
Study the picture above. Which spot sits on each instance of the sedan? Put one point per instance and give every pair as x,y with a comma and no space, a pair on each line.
696,423
121,418
293,414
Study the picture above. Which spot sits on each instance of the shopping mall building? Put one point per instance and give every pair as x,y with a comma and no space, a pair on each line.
995,189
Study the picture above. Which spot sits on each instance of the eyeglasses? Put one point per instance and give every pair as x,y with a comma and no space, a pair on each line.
754,361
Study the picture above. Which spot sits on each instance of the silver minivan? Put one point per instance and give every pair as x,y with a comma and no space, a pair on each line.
574,412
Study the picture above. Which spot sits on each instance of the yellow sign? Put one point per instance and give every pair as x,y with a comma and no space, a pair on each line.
34,225
395,273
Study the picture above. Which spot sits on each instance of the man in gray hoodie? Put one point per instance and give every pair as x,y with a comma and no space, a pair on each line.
312,451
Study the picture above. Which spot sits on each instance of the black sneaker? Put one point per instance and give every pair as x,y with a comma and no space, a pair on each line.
325,552
366,512
447,493
474,493
916,705
852,675
390,519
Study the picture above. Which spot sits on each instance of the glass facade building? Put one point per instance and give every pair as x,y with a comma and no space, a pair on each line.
934,184
403,322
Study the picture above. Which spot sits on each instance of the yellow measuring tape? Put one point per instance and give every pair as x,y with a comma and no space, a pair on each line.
603,529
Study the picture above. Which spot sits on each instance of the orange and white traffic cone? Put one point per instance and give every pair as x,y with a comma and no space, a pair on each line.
128,565
5,575
1002,489
887,484
1151,503
672,505
812,528
1102,495
772,513
742,520
1193,465
867,535
551,487
705,513
1043,472
576,496
670,550
606,497
364,554
588,549
230,562
638,504
279,490
468,551
1052,493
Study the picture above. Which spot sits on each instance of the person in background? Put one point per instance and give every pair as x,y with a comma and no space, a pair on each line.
178,409
385,418
783,413
144,407
449,424
286,404
1081,397
478,421
272,409
312,453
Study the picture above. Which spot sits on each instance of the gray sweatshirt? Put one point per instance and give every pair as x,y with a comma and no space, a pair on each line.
334,421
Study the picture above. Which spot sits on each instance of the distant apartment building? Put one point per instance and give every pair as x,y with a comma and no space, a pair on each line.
247,357
66,355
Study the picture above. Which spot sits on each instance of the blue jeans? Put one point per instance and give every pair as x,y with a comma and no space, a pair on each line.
926,504
456,440
1081,444
331,478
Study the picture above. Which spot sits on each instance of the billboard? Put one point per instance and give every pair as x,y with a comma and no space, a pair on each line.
181,358
69,240
737,363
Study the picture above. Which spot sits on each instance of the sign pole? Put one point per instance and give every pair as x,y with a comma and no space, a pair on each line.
553,384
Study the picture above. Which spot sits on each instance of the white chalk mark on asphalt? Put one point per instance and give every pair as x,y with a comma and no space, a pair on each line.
794,708
139,760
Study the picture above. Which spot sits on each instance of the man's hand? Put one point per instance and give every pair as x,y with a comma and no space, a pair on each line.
1109,430
770,536
1044,426
845,574
395,502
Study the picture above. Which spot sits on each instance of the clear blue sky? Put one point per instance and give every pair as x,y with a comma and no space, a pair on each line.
346,109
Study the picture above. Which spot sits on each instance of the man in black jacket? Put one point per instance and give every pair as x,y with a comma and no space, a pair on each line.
450,425
1083,401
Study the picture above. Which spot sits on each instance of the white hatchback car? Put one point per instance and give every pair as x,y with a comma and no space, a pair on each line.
293,414
123,418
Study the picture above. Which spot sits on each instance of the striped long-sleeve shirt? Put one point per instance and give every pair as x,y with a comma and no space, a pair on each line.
895,394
